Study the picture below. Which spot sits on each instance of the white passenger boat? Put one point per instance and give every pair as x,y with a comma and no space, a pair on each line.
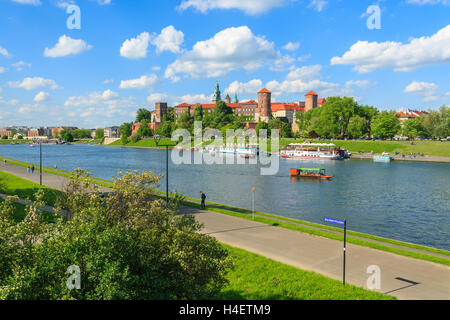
311,151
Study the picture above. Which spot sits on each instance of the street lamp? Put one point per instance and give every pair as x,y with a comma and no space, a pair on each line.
40,162
157,138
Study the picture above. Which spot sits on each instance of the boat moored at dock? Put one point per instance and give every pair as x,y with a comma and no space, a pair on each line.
315,173
385,157
311,151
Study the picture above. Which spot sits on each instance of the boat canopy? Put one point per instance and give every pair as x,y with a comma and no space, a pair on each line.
311,169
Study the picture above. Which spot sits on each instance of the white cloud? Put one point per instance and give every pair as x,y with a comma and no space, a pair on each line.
140,83
107,97
368,56
318,5
156,68
42,96
4,52
175,100
67,46
301,86
251,7
108,81
228,50
421,88
432,2
292,46
20,65
169,39
250,87
32,2
34,83
304,73
363,84
136,48
2,70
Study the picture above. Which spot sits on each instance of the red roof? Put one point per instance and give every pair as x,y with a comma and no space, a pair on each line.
286,106
264,91
311,93
322,100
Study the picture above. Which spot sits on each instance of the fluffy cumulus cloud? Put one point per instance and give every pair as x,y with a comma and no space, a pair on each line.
143,82
304,73
169,39
21,65
175,100
67,46
426,90
96,102
292,46
42,96
368,56
250,87
251,7
4,52
34,83
228,50
136,48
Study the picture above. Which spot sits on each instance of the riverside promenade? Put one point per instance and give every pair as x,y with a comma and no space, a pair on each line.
402,277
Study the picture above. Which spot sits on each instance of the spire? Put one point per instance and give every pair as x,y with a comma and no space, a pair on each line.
235,98
216,96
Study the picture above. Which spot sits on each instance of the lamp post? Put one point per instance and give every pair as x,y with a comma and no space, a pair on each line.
40,162
157,138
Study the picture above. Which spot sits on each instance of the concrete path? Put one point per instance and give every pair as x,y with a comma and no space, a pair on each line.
403,277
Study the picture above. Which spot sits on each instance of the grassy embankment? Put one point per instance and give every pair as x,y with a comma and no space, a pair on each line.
253,276
14,141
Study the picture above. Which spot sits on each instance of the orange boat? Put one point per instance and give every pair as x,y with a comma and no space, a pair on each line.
317,173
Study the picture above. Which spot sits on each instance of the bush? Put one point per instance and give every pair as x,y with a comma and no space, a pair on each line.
5,137
136,137
127,246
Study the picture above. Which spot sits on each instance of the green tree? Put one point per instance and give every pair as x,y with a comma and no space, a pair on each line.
143,114
357,126
99,133
186,121
5,137
144,130
126,246
66,136
437,123
413,128
262,126
385,125
125,129
222,114
198,113
166,129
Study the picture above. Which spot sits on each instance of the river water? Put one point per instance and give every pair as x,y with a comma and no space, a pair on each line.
408,201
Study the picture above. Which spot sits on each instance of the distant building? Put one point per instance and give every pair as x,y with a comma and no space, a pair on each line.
405,114
7,133
111,132
157,116
37,132
56,132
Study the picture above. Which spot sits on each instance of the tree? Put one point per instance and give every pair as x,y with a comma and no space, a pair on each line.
126,246
166,129
437,123
198,113
413,128
66,136
262,126
143,114
357,126
5,137
222,114
186,121
99,133
385,125
144,130
126,129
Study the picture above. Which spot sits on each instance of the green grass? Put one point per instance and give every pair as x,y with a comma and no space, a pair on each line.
15,141
429,148
144,143
255,277
25,189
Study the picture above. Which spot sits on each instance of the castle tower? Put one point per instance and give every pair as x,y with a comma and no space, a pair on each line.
264,110
216,95
236,100
160,110
311,100
227,99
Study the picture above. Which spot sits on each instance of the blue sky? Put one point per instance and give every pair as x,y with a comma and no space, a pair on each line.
130,54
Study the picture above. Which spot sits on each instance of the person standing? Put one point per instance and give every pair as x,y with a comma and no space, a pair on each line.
203,197
32,169
28,170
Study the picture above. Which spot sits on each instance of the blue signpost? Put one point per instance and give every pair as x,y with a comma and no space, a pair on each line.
341,223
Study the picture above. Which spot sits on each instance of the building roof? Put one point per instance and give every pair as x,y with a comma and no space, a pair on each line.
212,105
264,90
311,93
286,107
321,100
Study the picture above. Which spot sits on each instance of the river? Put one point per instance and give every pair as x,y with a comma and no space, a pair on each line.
408,201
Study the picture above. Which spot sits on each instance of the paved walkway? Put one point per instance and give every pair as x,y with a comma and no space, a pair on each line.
403,277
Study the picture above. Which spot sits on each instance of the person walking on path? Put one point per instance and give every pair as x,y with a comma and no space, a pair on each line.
203,196
28,170
32,169
5,162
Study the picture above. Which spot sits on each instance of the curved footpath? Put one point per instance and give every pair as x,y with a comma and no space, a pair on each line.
403,277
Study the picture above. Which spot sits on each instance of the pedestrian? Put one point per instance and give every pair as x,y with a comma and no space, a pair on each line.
203,196
32,169
4,161
28,170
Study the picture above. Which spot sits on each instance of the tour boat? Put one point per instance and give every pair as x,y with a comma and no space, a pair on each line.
316,173
385,157
310,151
